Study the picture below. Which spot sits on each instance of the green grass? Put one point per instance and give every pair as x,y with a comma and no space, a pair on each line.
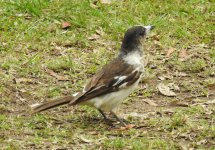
32,40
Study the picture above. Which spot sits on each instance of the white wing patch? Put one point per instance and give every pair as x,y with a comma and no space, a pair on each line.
75,94
96,88
120,79
123,85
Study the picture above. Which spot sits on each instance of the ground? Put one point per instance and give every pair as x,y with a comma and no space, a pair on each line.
49,49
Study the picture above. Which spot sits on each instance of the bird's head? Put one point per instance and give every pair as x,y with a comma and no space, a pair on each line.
134,38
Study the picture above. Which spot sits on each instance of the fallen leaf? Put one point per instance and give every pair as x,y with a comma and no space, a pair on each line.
178,103
168,111
170,51
26,16
147,61
127,127
106,1
160,77
23,80
141,116
155,37
58,77
20,97
183,55
34,105
100,32
157,44
172,86
150,102
93,5
202,142
165,90
210,102
4,44
97,35
85,140
93,133
52,27
65,25
94,37
164,76
180,74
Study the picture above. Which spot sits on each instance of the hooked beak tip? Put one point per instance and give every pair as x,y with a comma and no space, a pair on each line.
152,27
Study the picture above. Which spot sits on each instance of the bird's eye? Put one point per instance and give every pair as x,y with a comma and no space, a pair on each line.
141,33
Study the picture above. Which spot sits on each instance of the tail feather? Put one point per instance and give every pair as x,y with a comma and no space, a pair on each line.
52,104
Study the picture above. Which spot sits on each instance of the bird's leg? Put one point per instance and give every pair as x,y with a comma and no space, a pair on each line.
121,122
103,114
105,118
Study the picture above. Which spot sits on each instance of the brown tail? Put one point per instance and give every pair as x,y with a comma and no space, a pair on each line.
52,104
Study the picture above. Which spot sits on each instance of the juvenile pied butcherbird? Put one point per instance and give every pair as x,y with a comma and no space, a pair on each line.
114,82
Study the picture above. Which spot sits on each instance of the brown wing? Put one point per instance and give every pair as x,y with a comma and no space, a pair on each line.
105,81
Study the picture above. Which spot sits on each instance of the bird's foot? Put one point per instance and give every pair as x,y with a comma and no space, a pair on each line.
109,122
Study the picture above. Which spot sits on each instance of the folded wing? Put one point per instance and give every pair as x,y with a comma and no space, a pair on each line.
109,79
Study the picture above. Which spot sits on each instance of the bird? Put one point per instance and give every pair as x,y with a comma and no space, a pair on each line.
106,90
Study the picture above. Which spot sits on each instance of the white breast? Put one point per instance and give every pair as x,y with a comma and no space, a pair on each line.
109,101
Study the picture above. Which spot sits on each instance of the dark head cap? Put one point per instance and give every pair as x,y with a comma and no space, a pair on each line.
134,37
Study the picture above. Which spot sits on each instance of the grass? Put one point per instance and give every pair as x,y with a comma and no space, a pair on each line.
32,40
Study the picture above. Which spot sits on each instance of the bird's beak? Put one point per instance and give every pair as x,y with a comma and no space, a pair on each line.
148,28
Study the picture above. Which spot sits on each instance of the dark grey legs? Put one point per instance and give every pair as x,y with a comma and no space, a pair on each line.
109,122
118,119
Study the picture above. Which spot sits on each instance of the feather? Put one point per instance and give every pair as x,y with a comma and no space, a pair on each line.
50,104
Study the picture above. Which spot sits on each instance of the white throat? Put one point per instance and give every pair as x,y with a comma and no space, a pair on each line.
134,58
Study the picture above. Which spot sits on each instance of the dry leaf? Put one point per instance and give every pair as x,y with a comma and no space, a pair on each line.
210,102
155,37
164,76
181,74
168,111
34,105
157,43
150,102
94,37
127,127
106,1
183,55
85,140
146,60
178,103
202,142
97,35
165,90
65,25
93,5
20,97
93,133
160,77
52,27
58,77
170,51
141,116
172,86
23,80
100,32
